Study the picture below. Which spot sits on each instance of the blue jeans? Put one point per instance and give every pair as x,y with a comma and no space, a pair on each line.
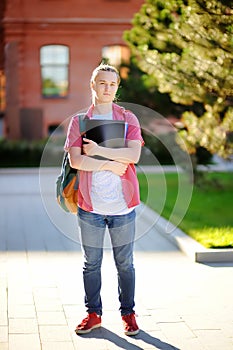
122,233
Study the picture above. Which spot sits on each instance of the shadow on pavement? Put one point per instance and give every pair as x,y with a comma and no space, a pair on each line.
122,343
147,338
220,264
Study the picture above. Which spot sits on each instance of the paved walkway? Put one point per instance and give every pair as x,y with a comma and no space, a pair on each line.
180,304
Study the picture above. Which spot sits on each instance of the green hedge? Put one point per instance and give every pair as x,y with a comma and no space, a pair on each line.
21,153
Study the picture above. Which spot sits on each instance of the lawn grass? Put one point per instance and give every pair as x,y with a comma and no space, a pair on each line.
206,213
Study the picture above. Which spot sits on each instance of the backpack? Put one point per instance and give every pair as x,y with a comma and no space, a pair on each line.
67,187
67,182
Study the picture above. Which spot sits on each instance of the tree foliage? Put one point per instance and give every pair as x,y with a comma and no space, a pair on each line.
137,87
186,47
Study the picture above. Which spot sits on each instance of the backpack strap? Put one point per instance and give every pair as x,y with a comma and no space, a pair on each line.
81,117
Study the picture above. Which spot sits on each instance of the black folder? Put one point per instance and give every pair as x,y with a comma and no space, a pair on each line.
107,133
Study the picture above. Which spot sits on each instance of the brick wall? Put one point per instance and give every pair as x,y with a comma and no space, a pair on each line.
84,26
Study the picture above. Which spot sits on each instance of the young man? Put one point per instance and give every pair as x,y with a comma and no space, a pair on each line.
108,195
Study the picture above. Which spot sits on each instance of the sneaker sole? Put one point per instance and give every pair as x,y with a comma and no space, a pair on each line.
85,331
132,333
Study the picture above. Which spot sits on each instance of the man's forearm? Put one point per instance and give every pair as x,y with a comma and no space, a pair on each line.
82,162
127,155
124,155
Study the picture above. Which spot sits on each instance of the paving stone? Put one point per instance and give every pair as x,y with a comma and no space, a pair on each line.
21,311
4,346
176,330
46,292
74,311
166,315
97,340
190,344
3,317
148,323
54,333
23,325
3,334
58,346
227,327
20,297
214,339
46,305
51,318
24,342
205,322
3,298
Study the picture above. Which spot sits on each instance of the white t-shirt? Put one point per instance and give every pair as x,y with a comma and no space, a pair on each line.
106,192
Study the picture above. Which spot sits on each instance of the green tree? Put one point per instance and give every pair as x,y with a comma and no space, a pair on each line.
138,86
186,47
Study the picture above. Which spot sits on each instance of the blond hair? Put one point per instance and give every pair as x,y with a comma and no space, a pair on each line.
105,68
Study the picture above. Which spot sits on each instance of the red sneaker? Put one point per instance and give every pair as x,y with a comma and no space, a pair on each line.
130,324
88,323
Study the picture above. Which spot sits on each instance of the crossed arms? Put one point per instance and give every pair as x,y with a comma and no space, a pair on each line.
117,159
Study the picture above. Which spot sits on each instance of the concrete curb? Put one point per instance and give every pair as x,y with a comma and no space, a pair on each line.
185,243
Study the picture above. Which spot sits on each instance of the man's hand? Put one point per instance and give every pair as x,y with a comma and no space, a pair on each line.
90,148
116,167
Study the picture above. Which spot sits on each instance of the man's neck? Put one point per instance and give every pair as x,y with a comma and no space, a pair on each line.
103,108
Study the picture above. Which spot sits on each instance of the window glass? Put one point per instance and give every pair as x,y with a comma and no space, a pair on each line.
116,54
54,60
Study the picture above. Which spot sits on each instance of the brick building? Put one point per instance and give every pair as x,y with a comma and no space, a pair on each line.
50,50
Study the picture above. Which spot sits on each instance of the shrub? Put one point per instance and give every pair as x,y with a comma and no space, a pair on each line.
21,153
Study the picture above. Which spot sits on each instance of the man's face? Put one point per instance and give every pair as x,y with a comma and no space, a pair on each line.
105,87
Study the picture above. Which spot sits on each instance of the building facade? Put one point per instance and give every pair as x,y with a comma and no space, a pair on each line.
50,50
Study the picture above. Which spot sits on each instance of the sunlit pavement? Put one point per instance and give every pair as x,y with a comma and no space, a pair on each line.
180,304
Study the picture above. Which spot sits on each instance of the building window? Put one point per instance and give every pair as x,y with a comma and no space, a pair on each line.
56,130
54,61
116,54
